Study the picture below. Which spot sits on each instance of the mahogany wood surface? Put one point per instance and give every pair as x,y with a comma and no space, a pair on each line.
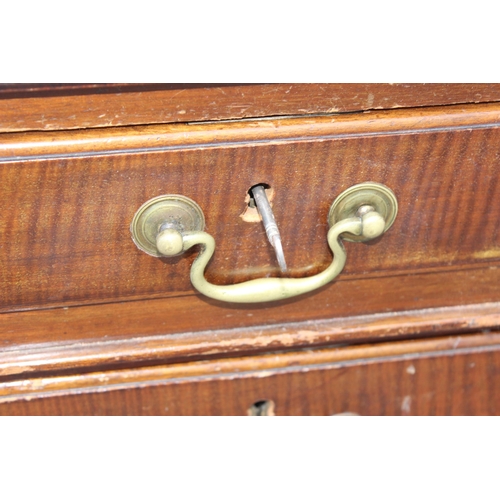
90,325
453,376
146,333
61,107
11,90
166,138
64,230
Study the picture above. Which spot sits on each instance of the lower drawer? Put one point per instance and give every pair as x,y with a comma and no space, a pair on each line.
457,375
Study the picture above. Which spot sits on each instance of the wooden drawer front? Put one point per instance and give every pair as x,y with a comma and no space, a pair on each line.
453,376
69,199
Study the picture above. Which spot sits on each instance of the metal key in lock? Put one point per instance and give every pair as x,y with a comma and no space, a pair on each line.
266,212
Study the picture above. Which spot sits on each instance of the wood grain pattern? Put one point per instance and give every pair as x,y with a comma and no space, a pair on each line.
89,325
454,376
201,103
65,233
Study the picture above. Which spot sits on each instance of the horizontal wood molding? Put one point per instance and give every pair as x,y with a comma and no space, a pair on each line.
403,378
201,103
99,337
37,145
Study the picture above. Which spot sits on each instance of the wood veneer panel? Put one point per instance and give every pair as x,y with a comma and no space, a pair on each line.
455,376
64,229
223,102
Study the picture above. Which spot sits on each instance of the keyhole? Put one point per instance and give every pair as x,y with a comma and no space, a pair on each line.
250,213
251,202
264,408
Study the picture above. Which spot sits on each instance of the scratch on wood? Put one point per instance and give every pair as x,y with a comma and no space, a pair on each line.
411,370
285,339
406,405
15,370
490,253
177,93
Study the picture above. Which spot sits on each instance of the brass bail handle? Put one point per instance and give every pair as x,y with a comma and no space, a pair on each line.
168,225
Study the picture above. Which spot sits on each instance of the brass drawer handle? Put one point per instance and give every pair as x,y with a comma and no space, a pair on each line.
171,224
